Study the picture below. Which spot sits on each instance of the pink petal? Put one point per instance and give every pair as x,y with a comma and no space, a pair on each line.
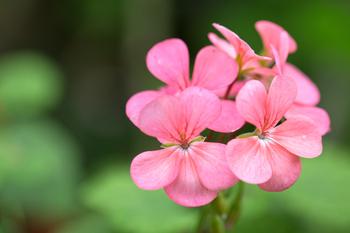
251,102
270,32
241,47
163,118
230,36
248,160
152,170
211,165
317,115
137,102
280,98
286,169
169,62
187,189
280,54
264,71
300,136
180,118
213,69
200,108
229,120
223,45
308,93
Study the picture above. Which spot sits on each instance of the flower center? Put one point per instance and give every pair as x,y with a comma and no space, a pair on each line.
262,136
265,136
185,145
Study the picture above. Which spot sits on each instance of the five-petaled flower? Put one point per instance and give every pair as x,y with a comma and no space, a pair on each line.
269,157
190,170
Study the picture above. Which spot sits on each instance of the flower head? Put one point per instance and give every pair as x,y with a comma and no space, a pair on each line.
190,170
270,35
308,95
213,70
270,156
277,40
237,49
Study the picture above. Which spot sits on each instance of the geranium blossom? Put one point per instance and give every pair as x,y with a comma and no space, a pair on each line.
230,85
270,35
213,70
241,53
270,156
307,95
237,49
274,36
190,170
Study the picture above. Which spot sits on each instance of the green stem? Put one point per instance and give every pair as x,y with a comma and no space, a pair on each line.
220,204
235,209
217,224
221,214
202,220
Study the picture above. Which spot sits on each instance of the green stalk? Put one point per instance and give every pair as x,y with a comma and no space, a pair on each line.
222,214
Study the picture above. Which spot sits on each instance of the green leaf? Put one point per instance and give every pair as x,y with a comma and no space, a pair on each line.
38,169
29,84
130,209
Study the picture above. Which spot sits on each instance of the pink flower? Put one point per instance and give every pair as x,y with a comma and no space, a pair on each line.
190,170
270,35
248,61
238,49
269,157
307,95
169,62
274,36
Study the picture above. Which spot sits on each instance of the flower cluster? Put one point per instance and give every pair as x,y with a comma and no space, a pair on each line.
230,86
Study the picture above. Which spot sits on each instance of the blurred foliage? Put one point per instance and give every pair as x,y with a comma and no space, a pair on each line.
29,84
135,210
39,160
86,224
39,169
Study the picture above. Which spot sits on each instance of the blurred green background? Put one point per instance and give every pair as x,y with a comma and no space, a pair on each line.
66,70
